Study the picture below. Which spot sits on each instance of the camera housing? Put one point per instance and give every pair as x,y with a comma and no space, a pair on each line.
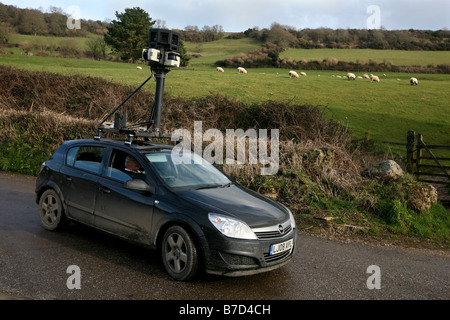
162,48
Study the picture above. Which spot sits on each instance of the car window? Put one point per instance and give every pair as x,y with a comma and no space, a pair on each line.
86,158
71,155
186,171
123,166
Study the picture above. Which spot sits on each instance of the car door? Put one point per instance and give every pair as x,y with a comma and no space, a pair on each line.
81,174
121,211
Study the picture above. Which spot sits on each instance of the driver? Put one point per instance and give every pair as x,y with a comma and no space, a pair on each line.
133,168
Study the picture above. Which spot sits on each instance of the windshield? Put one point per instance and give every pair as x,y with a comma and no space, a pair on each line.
186,170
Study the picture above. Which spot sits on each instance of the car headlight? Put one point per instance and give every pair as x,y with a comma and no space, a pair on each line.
231,227
291,216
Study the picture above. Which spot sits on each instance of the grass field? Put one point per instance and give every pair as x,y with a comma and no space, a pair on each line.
49,41
396,57
387,110
210,52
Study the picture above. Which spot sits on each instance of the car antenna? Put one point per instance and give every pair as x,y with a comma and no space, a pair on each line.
161,54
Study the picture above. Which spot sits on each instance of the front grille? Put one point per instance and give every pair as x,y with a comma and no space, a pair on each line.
238,260
273,232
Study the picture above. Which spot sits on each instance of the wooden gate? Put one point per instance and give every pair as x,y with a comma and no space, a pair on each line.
430,163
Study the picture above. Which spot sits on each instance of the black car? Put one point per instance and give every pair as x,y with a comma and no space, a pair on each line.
177,203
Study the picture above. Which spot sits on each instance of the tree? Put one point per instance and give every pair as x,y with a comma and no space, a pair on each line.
184,58
96,48
56,22
5,30
32,22
129,34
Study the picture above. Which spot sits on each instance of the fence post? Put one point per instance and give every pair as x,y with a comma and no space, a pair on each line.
410,139
419,148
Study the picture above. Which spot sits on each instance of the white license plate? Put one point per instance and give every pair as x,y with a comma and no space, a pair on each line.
281,247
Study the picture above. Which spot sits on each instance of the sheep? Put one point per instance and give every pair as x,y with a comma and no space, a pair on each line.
303,74
359,77
351,76
241,70
139,68
338,77
293,74
219,69
414,81
366,76
374,78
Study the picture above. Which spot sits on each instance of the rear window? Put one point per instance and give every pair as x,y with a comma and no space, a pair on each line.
86,158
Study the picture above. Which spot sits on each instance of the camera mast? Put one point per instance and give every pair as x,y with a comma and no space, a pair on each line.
161,54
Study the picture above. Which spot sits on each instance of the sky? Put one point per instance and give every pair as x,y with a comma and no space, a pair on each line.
239,15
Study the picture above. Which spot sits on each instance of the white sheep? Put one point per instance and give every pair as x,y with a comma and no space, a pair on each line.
139,68
293,74
366,76
303,74
414,81
351,76
359,77
374,78
219,69
241,70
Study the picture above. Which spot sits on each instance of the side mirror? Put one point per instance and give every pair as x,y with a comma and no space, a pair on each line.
139,185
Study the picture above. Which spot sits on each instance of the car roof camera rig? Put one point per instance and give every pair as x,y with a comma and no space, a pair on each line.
162,53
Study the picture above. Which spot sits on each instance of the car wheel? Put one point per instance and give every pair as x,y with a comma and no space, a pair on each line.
179,254
51,211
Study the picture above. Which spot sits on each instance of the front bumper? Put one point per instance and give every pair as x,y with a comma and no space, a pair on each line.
235,257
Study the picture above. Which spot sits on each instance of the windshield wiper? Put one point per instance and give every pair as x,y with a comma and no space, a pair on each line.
226,185
211,186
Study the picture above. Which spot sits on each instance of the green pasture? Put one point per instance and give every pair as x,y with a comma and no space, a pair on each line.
395,57
49,41
210,52
387,110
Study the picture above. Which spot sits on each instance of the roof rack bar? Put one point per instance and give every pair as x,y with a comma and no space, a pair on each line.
123,102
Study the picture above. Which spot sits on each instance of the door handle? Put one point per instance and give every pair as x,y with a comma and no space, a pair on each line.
68,178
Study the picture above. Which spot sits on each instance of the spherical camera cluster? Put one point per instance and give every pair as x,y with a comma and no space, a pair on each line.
163,48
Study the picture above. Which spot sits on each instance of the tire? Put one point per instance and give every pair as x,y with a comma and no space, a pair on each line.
179,254
51,211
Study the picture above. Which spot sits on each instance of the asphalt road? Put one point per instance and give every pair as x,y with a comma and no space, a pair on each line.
34,265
